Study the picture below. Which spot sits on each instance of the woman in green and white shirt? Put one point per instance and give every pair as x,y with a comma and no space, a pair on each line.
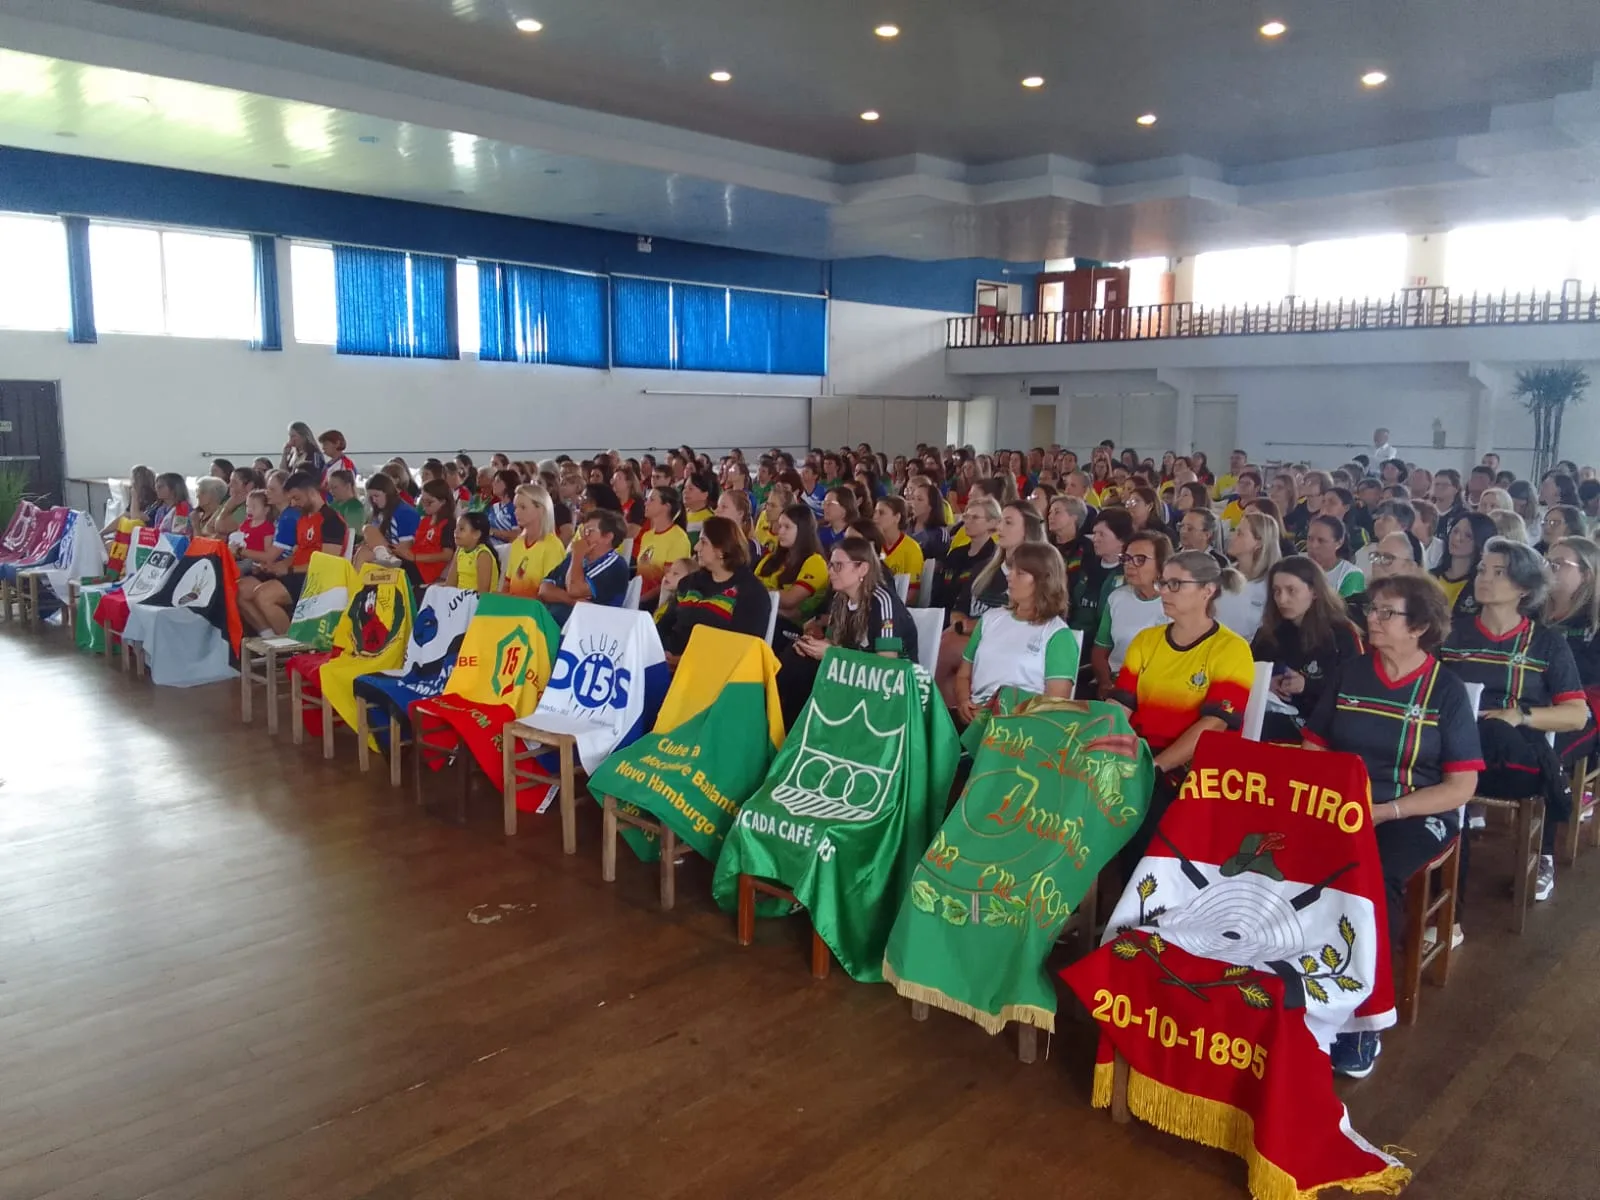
1027,644
1327,545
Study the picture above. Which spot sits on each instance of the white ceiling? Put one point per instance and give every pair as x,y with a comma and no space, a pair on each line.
1494,118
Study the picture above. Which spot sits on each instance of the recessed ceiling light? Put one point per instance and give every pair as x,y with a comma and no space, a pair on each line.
870,115
887,31
65,133
552,170
721,76
1146,119
1274,29
280,166
368,139
1033,81
529,25
1374,79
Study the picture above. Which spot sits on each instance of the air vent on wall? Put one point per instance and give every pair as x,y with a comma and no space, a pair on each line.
1053,389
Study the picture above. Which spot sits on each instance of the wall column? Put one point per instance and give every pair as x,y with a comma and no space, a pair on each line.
1182,385
1424,260
1494,382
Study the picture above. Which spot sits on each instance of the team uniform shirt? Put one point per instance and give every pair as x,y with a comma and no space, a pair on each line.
1585,647
1345,578
402,526
1073,554
658,550
1096,579
813,499
1232,514
1170,687
312,531
464,570
608,583
889,630
905,558
1241,611
1005,651
502,516
1531,664
433,535
1318,665
1410,732
932,541
353,510
766,535
175,519
813,579
258,534
527,564
1459,595
696,522
1124,615
958,570
1223,486
342,463
829,537
739,604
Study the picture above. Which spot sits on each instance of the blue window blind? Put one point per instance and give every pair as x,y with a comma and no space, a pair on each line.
80,280
269,320
692,327
391,303
537,315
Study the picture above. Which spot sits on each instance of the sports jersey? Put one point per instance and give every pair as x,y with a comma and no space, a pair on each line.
828,537
1095,579
1168,687
905,558
528,565
1233,513
433,535
1585,647
1241,611
957,571
813,578
1224,485
502,515
258,534
311,532
175,519
1530,664
1017,653
1124,614
1453,589
342,463
696,521
1345,578
766,536
656,551
353,510
464,569
739,604
889,630
1410,732
608,583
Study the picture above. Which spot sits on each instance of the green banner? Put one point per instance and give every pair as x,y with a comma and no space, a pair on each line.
852,799
87,633
1057,788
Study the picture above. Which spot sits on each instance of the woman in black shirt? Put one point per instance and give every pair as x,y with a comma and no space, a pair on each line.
724,592
1306,635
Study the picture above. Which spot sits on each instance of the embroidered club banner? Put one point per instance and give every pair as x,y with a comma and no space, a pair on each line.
19,531
1251,934
323,599
151,573
121,542
608,682
206,582
437,633
81,554
502,670
852,799
39,542
1057,788
370,636
711,746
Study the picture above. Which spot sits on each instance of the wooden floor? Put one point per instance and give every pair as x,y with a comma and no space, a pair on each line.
230,969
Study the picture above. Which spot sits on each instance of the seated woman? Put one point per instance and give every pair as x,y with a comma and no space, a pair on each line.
1465,539
1026,645
1530,688
1560,521
664,540
476,567
865,614
839,510
1133,606
502,513
796,570
927,525
210,494
1328,545
734,505
1101,570
1255,547
592,569
241,483
142,505
699,499
1574,609
901,554
172,498
724,593
1306,636
388,534
433,547
1019,523
780,496
962,562
1157,681
1411,722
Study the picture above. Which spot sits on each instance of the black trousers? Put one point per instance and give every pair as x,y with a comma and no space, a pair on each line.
796,675
1404,848
1166,790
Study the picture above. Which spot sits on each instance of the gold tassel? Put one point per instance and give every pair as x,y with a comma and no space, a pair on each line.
990,1023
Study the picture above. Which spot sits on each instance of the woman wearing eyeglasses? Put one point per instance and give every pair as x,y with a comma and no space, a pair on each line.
1411,722
1133,606
1573,609
1181,679
1560,521
865,614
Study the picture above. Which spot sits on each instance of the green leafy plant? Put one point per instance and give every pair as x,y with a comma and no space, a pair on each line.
1545,392
13,488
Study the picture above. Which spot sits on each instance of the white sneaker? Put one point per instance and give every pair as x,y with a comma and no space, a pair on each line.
1545,882
1430,935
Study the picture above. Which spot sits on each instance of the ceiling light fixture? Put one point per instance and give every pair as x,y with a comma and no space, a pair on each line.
529,25
887,31
1033,81
1274,29
721,76
1374,79
280,166
1146,119
368,139
870,115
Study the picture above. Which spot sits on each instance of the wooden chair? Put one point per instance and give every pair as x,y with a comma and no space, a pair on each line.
1583,780
1431,897
28,596
397,743
521,743
673,851
749,888
300,704
261,662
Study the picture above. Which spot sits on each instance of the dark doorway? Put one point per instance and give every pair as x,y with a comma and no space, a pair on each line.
30,437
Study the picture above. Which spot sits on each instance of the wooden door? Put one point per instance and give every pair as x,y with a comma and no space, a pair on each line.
30,437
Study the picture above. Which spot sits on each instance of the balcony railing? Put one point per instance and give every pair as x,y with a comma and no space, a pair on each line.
1412,308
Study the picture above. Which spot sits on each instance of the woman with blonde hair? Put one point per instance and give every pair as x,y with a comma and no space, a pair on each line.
1492,500
1507,524
1255,547
779,497
537,549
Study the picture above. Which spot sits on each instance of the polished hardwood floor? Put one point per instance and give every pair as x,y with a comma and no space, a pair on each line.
231,969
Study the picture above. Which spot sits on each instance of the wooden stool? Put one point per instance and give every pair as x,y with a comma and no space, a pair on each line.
1572,838
520,742
261,662
364,733
28,596
1528,836
300,704
1427,904
673,851
749,888
8,596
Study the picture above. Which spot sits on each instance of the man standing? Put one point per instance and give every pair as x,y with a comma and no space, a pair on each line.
1382,452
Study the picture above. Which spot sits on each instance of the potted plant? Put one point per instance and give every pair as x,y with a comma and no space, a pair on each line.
1545,392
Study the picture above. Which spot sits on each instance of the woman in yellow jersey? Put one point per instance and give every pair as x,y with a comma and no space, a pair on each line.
663,541
796,570
779,497
476,567
699,501
536,550
901,554
1463,550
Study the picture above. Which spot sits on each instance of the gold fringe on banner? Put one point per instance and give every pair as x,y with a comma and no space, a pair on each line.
1224,1127
990,1023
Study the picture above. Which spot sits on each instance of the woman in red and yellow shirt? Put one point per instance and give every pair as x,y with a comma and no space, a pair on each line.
434,545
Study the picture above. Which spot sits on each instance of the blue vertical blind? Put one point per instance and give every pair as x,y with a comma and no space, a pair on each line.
269,320
692,327
81,327
391,303
539,315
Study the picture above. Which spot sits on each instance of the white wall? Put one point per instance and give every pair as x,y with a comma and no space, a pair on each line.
167,402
